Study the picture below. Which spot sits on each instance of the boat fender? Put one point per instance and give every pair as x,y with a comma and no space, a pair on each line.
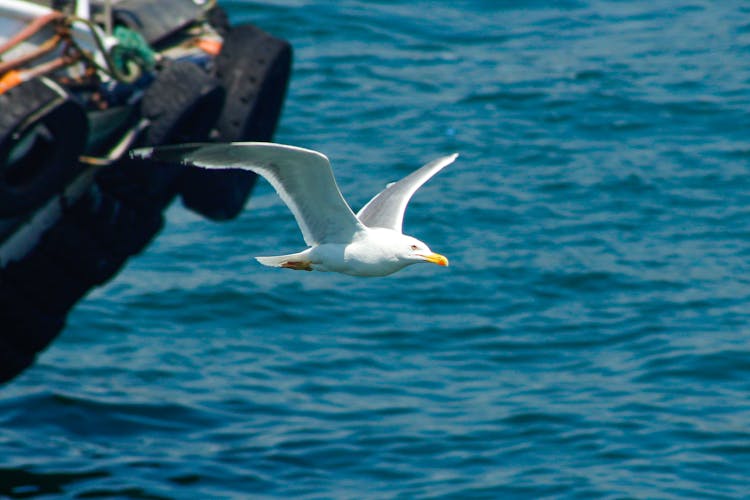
254,68
26,330
182,105
42,133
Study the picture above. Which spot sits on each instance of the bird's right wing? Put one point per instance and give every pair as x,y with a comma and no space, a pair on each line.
303,179
387,208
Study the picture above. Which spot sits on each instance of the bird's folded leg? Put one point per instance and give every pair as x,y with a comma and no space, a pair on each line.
298,265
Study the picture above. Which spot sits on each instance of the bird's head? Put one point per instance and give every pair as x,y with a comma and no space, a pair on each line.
414,251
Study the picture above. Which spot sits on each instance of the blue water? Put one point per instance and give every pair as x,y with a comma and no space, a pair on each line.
590,339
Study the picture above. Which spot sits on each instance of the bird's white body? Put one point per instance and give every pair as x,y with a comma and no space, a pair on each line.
369,243
370,253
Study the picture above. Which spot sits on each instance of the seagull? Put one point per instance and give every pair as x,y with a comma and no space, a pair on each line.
370,243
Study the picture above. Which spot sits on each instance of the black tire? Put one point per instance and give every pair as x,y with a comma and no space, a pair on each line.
26,329
72,245
50,286
42,133
182,105
254,68
219,21
12,362
120,229
155,21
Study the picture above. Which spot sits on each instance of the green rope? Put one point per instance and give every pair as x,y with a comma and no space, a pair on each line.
131,61
132,48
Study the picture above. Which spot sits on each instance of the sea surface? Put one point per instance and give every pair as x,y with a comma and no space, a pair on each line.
591,338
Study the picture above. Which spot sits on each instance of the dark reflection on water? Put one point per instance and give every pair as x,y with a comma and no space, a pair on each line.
22,483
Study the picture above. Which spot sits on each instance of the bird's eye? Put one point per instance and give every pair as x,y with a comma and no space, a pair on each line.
414,247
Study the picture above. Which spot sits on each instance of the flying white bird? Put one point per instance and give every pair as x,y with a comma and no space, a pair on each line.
367,244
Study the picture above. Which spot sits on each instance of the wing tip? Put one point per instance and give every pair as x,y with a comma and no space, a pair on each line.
180,153
141,153
177,153
442,161
279,146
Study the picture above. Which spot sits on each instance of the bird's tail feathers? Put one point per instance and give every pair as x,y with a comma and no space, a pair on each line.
283,260
273,261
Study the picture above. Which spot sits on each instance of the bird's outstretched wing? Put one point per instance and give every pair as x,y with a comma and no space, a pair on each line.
302,178
387,208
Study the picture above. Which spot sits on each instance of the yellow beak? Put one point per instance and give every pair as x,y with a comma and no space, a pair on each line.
436,258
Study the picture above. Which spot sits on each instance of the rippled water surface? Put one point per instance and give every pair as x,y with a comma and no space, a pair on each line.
590,339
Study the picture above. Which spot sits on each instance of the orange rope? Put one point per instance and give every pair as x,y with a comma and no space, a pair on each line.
47,46
209,46
14,77
11,75
10,80
31,29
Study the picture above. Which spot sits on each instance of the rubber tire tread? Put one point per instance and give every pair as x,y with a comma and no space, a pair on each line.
183,103
67,122
254,68
26,330
120,228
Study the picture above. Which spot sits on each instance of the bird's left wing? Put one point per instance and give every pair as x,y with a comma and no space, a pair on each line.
387,208
302,178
